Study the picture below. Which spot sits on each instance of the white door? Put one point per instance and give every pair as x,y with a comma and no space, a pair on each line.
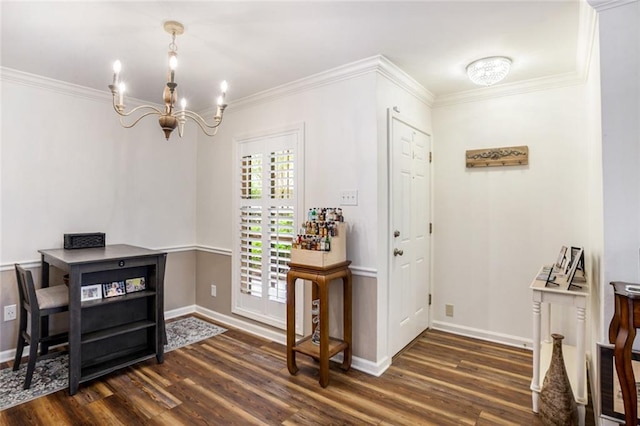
409,234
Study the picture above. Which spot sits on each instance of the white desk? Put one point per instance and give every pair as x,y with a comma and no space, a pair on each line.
574,356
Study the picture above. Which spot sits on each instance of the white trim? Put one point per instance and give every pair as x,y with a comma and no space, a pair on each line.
178,312
586,37
215,250
600,5
363,271
489,336
510,89
240,324
360,364
378,64
63,87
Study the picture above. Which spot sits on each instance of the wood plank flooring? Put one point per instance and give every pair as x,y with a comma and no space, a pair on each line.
236,378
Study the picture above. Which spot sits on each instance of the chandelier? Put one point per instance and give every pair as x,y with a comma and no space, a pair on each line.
170,118
488,71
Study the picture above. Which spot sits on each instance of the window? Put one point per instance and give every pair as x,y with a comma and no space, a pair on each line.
267,197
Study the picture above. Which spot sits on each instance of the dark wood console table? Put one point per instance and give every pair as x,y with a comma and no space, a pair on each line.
622,332
328,347
110,333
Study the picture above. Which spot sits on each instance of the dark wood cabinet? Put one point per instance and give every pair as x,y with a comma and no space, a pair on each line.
111,333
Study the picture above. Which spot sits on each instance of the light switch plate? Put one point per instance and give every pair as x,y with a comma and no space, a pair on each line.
349,198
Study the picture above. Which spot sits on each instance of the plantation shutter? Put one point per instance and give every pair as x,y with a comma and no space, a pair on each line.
267,218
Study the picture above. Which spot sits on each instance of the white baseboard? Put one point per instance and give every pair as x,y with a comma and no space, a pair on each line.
360,364
505,339
174,313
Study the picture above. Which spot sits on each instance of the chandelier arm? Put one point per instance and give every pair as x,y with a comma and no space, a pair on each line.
201,123
128,126
199,119
126,114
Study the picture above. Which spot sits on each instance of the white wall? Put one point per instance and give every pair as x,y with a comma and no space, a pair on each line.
495,227
620,74
340,154
68,166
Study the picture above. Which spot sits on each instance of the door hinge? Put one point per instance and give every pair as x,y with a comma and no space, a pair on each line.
430,156
429,299
430,228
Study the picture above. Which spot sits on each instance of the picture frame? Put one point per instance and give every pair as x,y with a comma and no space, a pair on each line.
136,284
612,406
113,289
562,258
90,292
576,262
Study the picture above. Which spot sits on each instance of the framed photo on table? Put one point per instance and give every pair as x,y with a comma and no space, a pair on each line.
135,284
112,289
576,262
91,292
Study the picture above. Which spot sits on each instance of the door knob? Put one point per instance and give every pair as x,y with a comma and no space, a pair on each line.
396,233
397,252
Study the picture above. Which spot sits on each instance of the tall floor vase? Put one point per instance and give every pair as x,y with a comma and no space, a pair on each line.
557,404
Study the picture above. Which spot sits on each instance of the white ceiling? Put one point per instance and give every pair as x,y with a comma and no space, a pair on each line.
261,45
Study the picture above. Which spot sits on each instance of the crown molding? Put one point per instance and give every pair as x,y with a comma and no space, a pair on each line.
601,5
62,87
510,89
587,25
374,64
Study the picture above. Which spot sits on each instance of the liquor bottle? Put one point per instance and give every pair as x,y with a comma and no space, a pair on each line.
327,243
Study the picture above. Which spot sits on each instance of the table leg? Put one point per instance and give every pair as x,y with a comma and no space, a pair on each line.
44,321
622,354
580,363
75,327
323,290
535,382
291,323
347,319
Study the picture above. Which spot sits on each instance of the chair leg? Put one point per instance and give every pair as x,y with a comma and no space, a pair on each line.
22,328
33,350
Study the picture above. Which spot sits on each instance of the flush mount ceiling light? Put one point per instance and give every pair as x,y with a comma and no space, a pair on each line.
170,118
488,71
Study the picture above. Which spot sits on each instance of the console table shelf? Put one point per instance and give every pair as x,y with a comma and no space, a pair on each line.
115,332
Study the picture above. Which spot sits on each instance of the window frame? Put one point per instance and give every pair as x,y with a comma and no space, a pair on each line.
291,136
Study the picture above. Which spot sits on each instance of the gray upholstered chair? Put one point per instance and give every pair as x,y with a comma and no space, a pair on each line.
37,303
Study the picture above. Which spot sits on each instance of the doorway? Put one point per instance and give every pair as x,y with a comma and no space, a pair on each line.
410,245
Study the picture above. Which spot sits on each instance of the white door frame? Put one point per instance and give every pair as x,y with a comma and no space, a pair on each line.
394,113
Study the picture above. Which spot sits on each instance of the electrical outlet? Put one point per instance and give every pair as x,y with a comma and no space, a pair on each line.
349,198
10,312
213,290
448,310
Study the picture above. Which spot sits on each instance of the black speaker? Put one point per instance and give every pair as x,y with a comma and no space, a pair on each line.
90,240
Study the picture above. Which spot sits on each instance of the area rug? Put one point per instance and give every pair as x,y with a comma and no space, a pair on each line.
52,374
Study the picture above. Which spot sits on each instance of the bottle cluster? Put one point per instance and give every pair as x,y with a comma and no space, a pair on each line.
321,214
316,232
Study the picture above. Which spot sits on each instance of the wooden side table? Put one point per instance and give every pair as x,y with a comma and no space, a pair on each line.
622,332
321,278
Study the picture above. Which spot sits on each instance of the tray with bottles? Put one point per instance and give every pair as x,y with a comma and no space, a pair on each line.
321,241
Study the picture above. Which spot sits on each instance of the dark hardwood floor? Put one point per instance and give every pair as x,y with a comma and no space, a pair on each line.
236,378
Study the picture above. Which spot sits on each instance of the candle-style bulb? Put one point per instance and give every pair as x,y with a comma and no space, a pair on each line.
173,62
224,86
183,103
117,66
220,100
121,89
